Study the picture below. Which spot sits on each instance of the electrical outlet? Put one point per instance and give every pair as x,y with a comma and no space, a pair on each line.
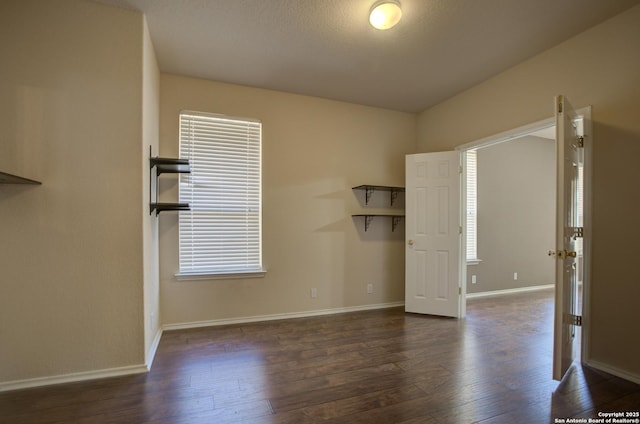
515,276
474,280
369,288
314,293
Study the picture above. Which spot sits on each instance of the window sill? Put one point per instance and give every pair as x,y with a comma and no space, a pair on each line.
193,276
473,261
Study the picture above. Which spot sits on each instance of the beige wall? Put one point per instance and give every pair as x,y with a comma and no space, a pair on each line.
600,67
314,151
71,249
150,130
516,215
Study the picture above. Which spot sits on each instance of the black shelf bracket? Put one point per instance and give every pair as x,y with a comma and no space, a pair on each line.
165,166
395,220
367,221
368,192
394,195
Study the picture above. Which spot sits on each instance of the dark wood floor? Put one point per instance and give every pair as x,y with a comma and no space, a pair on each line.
366,367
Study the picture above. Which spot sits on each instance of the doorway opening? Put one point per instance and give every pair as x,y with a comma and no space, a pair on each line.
531,244
510,215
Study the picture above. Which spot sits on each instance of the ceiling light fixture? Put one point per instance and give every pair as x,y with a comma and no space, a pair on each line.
385,14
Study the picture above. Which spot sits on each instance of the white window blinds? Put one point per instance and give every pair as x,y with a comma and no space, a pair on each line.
472,205
221,234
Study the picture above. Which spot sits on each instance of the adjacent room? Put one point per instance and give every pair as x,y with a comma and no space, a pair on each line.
135,288
514,212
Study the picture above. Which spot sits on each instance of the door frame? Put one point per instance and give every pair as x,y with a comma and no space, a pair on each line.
505,136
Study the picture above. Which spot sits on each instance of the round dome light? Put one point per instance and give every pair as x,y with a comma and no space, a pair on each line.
385,14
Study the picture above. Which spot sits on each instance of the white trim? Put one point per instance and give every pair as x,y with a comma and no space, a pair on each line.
585,339
509,291
194,276
511,134
289,315
151,354
634,378
73,377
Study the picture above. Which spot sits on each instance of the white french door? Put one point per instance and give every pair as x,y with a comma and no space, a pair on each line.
569,233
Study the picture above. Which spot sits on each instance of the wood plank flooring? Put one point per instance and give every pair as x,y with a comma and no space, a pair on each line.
367,367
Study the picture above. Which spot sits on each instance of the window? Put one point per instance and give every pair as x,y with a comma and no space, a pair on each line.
472,206
222,233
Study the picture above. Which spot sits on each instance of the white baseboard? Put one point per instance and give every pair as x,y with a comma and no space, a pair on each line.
614,371
258,318
151,354
509,291
143,368
69,378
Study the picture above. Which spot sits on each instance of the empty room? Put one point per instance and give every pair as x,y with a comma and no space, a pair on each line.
209,211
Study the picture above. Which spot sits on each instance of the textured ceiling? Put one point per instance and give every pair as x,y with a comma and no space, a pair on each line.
327,48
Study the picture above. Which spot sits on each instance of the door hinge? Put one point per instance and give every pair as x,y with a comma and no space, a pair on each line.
460,291
577,232
460,170
460,230
579,141
573,319
559,106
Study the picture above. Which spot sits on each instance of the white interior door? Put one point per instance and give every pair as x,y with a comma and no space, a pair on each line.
568,230
433,236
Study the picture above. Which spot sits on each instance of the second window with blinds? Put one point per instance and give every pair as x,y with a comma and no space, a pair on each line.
221,236
472,207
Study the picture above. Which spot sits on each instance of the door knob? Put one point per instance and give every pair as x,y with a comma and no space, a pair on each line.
410,242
